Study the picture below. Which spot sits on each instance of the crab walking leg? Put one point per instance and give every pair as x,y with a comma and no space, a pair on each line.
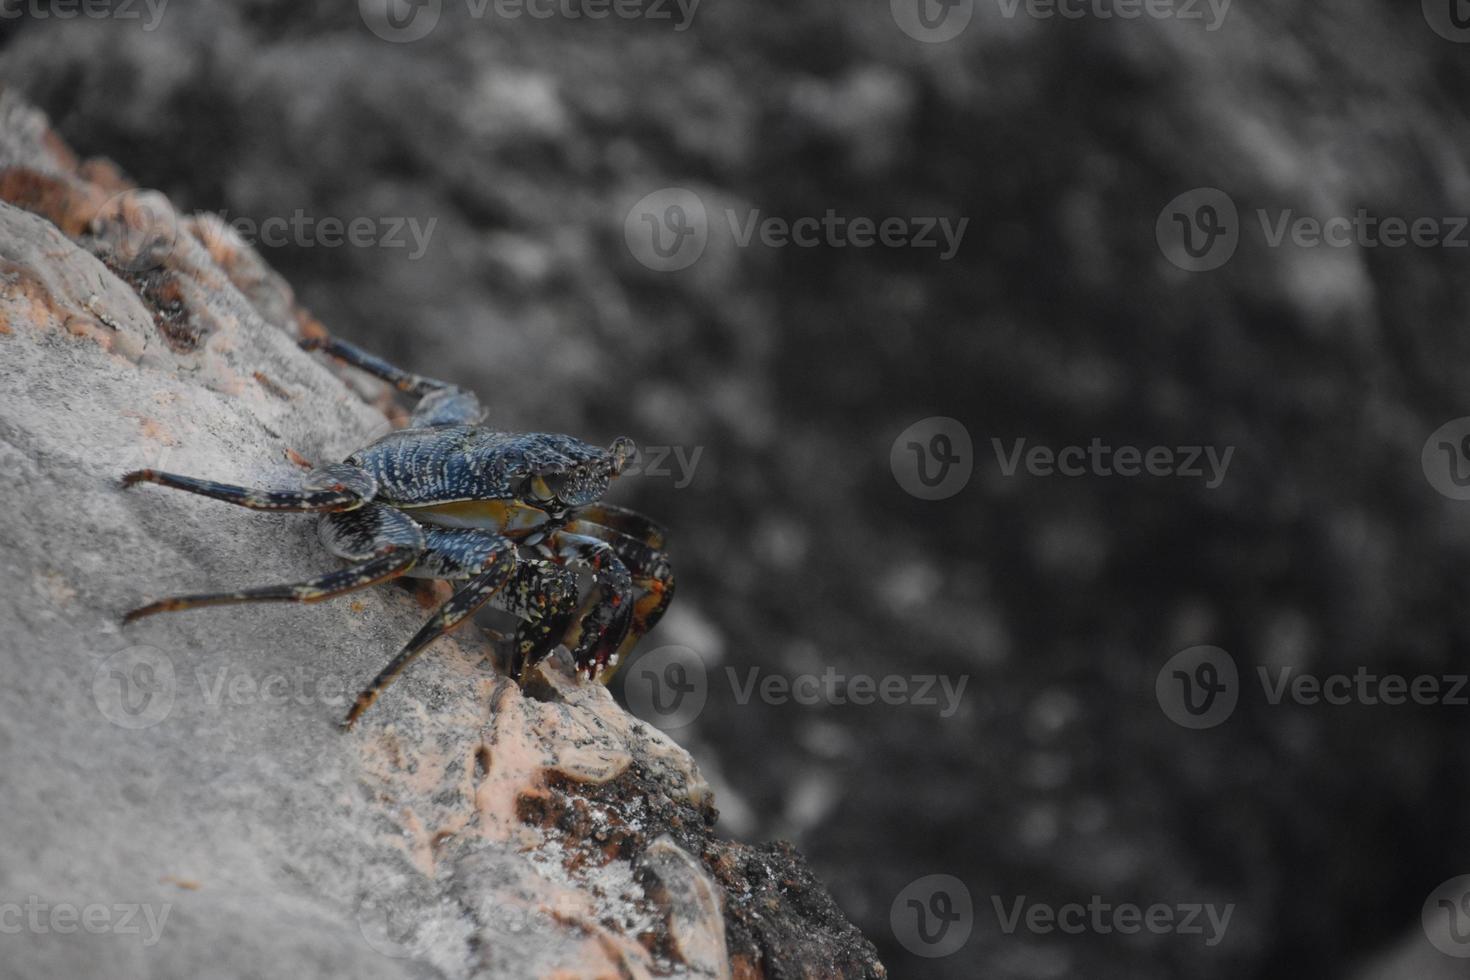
596,635
338,487
383,542
486,559
626,522
441,403
652,575
405,381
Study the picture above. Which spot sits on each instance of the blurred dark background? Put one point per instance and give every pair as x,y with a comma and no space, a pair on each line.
793,370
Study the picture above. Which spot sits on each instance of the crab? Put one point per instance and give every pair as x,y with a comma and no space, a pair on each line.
511,517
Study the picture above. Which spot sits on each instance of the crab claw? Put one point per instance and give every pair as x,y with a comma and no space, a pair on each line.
595,636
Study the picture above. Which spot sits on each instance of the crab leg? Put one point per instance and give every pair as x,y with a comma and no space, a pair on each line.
624,521
384,543
486,559
338,487
649,567
441,402
404,381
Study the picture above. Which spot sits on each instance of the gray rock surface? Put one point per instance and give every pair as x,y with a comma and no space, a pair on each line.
175,797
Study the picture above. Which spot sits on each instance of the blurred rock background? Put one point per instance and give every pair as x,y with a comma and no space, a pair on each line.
794,370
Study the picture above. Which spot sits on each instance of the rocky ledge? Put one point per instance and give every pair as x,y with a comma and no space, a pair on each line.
177,799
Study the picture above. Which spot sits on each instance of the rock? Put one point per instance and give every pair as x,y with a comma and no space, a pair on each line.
177,799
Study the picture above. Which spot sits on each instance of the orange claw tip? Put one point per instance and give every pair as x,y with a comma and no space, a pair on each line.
358,707
137,476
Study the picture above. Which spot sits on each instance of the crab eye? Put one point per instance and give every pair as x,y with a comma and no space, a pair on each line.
621,451
579,486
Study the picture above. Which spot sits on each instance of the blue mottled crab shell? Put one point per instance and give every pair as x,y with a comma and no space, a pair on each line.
424,467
